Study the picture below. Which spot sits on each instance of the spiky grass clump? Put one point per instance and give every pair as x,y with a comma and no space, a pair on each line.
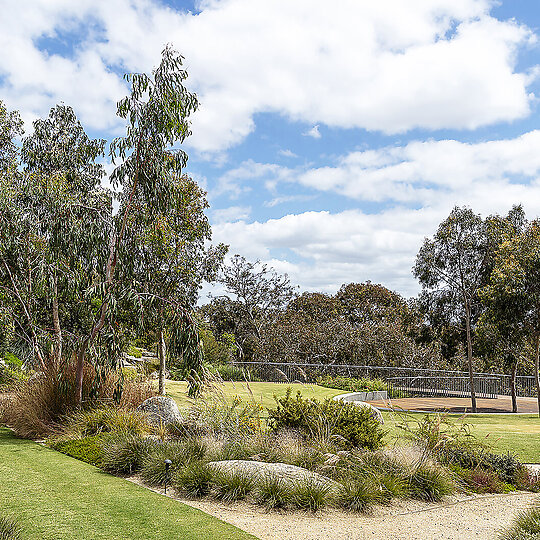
359,494
310,494
9,529
106,420
125,453
429,482
526,526
272,492
231,485
195,479
153,467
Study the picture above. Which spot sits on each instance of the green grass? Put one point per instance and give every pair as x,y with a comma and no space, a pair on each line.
262,392
503,433
54,496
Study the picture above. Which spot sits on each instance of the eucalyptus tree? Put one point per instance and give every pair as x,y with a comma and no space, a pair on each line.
156,113
168,261
454,262
512,297
255,296
54,218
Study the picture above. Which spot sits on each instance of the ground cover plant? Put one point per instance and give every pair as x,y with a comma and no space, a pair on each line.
526,526
350,384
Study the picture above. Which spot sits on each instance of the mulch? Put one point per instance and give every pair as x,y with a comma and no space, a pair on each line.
503,404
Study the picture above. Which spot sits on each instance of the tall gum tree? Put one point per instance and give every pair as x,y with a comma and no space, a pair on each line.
455,259
157,112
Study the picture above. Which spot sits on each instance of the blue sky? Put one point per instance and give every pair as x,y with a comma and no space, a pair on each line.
331,137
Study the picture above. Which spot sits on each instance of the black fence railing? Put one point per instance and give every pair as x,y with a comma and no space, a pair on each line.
487,384
484,387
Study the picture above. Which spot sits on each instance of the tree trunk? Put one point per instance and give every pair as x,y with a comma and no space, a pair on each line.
513,386
161,355
57,356
469,354
537,368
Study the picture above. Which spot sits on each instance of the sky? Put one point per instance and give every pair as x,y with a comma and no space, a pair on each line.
331,137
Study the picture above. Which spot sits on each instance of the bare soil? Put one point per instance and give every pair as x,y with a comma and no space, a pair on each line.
459,517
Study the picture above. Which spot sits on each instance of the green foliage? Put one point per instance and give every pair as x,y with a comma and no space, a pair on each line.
230,372
430,482
9,528
348,425
153,469
310,494
86,449
231,485
359,494
349,384
109,419
125,453
272,492
526,526
195,479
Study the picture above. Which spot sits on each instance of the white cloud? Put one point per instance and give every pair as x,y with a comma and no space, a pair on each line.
313,132
231,214
387,66
288,153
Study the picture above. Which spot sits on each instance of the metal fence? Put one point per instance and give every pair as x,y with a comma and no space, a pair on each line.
441,382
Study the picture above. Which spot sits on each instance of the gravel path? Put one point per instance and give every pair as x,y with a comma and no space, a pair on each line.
458,518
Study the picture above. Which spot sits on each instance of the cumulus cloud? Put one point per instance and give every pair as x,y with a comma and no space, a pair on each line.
313,132
388,66
417,184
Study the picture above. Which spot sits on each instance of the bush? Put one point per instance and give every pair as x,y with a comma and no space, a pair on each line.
86,449
481,481
272,492
231,485
348,384
195,479
430,483
310,494
348,425
9,529
153,469
40,404
359,494
106,420
526,526
125,453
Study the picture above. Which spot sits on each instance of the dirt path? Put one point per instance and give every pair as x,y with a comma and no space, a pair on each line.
458,518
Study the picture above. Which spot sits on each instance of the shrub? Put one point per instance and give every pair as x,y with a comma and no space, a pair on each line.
272,492
195,479
105,420
125,453
430,483
232,485
86,449
233,420
348,384
310,494
153,469
9,529
40,404
482,481
526,526
359,494
348,425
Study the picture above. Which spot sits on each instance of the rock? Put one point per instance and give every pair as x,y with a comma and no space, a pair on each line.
350,398
258,470
160,410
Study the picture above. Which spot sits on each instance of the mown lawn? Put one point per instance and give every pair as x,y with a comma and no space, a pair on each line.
54,496
503,432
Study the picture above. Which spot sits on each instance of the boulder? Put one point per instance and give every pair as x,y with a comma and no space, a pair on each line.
160,410
288,474
350,398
